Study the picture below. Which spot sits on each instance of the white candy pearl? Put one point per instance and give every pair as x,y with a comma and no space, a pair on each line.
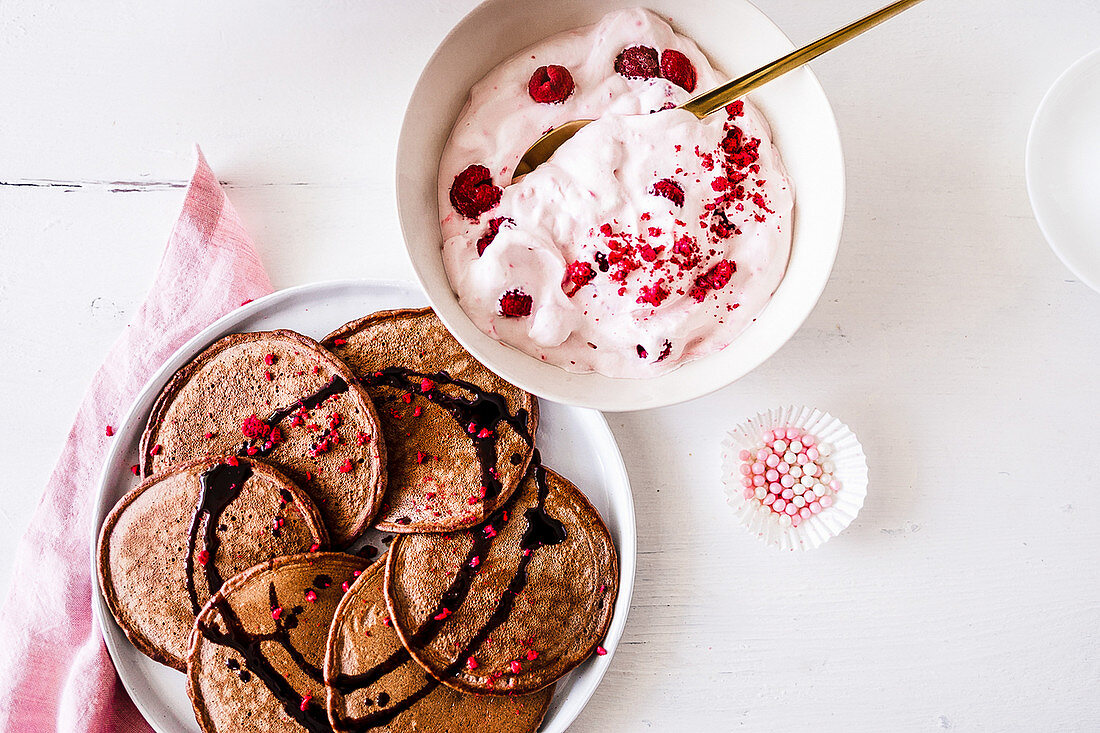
807,480
826,478
796,446
779,446
795,472
799,501
811,496
798,489
784,521
761,492
790,458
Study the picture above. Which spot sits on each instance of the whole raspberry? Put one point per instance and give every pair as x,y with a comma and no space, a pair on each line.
550,84
676,67
670,189
473,192
638,62
515,304
494,228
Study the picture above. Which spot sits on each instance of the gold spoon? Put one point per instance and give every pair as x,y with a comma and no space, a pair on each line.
717,98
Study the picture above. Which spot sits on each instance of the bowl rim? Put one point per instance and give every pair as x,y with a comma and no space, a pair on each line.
1030,152
649,393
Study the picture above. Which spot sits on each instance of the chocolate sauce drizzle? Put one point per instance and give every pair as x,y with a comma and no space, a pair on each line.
485,410
220,486
336,385
542,530
315,717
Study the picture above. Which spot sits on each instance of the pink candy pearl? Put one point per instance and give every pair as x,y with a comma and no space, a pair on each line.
802,459
758,481
773,461
808,440
811,453
834,485
749,493
746,469
793,433
809,496
775,488
826,502
788,494
804,513
772,475
791,509
768,436
815,507
758,467
779,505
744,455
787,480
796,520
762,454
768,499
746,481
783,467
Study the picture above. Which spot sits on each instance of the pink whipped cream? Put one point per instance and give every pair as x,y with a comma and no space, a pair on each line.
648,240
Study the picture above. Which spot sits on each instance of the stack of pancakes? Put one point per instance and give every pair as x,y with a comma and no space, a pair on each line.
240,558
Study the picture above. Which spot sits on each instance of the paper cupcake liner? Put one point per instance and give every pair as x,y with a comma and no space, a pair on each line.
847,456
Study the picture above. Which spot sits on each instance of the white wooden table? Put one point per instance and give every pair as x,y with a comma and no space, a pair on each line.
966,594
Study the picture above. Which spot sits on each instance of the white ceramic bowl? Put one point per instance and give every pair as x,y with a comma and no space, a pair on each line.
1063,168
738,38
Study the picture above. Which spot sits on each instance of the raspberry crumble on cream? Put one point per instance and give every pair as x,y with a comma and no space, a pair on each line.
648,240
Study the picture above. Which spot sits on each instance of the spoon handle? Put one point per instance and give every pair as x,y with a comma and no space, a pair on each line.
713,100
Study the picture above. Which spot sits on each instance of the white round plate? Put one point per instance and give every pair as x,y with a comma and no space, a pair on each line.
738,38
1063,168
574,441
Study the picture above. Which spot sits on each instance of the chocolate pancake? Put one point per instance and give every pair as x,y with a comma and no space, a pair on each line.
374,685
279,396
512,604
258,646
166,546
459,438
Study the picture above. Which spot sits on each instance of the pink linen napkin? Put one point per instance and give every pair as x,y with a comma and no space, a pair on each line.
55,673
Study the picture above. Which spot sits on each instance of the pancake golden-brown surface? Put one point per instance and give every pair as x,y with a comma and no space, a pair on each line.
374,685
459,438
513,604
279,396
258,648
167,545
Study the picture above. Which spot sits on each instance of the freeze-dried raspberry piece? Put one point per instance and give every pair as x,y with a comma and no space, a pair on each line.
550,84
638,62
670,189
676,67
653,294
713,279
580,273
515,304
473,192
